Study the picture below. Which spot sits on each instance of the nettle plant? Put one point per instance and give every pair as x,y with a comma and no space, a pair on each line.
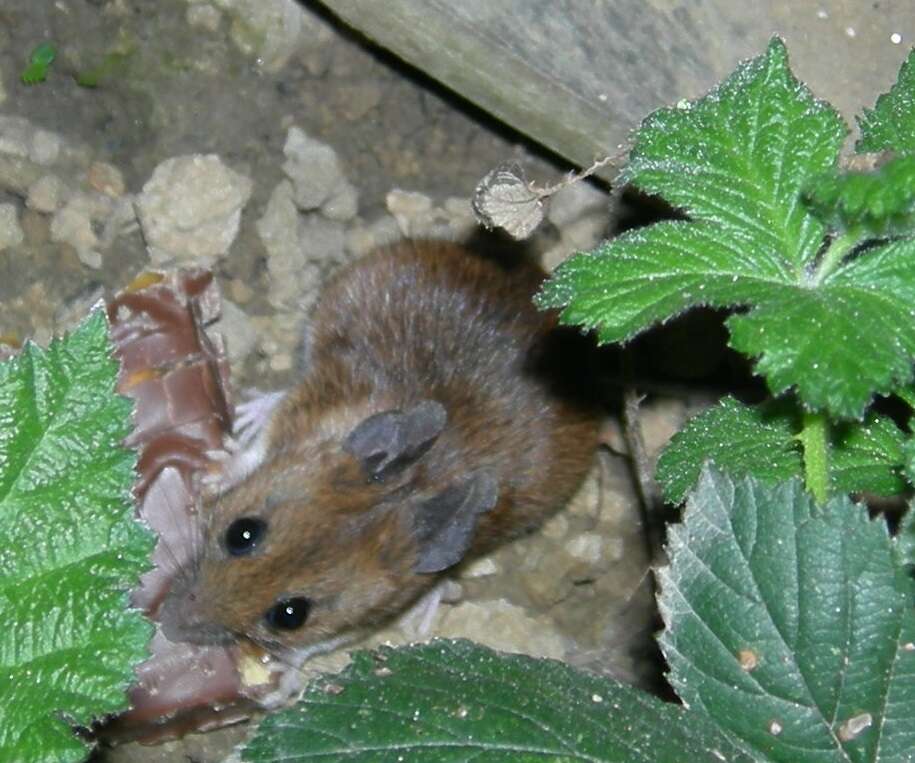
789,621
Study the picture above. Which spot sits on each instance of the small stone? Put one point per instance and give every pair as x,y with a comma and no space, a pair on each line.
588,547
72,224
342,204
321,240
191,207
239,331
90,258
11,233
362,239
278,227
312,167
46,147
556,528
240,291
203,16
106,178
15,135
407,203
501,625
47,194
270,31
480,568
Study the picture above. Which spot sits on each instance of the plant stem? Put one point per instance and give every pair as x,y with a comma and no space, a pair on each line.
835,252
816,466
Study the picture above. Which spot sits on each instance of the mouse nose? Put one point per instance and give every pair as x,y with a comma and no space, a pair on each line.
184,620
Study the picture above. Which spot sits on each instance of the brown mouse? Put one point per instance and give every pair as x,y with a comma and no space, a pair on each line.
440,415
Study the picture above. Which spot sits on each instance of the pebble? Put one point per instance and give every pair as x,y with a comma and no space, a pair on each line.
270,30
47,194
239,331
588,547
313,168
11,233
72,224
480,568
320,240
19,137
191,208
106,178
343,204
203,16
500,625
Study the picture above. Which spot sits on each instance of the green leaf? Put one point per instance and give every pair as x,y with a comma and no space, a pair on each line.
867,456
880,203
70,547
790,624
736,162
842,340
890,125
456,701
761,441
740,439
905,540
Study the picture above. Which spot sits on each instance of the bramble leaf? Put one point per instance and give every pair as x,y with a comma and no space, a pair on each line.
457,701
800,616
761,441
70,547
890,125
881,203
867,456
740,439
736,162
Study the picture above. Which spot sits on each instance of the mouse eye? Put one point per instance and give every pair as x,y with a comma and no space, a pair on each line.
288,614
243,535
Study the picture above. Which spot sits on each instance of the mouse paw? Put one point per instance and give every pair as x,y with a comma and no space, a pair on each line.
417,621
253,413
231,464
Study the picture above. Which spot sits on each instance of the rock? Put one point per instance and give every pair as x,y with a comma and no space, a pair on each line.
106,178
11,233
320,240
203,16
191,208
47,194
238,329
72,224
313,168
278,229
19,137
500,625
588,547
46,146
343,203
267,29
480,568
361,239
407,206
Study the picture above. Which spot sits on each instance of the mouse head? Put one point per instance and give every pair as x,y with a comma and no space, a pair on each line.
336,536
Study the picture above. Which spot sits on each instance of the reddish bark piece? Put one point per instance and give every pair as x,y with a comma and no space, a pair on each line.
174,367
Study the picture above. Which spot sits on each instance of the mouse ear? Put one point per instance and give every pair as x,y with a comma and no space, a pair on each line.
445,524
387,441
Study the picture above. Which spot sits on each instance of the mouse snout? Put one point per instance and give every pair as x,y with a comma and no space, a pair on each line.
184,619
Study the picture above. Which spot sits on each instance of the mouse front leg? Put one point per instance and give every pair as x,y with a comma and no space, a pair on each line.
246,449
